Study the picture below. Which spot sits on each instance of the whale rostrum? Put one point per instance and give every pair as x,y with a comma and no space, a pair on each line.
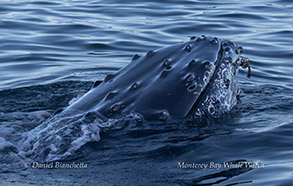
196,78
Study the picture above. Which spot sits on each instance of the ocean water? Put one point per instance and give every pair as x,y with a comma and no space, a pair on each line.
51,52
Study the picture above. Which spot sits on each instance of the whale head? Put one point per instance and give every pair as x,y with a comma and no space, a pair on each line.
197,78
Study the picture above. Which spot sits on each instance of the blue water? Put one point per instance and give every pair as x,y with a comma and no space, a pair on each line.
52,51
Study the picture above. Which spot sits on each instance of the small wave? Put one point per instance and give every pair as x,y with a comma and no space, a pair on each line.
62,135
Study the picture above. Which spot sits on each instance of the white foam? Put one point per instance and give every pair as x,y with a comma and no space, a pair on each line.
73,100
6,130
220,94
40,115
91,133
4,144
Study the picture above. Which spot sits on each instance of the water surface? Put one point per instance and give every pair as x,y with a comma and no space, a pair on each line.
52,51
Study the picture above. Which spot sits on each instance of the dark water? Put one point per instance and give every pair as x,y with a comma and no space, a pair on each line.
52,51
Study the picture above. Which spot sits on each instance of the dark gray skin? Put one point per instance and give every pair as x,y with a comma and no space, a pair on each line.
173,81
196,79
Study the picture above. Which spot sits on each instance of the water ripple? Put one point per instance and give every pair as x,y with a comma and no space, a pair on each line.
57,32
49,42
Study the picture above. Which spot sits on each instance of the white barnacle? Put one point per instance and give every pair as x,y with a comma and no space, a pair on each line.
211,109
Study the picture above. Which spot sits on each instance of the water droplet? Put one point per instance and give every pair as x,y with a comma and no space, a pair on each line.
188,48
166,62
115,108
134,86
163,116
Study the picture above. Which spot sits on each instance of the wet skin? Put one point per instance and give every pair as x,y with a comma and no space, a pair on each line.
195,78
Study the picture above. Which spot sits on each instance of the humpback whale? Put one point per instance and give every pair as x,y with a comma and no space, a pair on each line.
195,79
